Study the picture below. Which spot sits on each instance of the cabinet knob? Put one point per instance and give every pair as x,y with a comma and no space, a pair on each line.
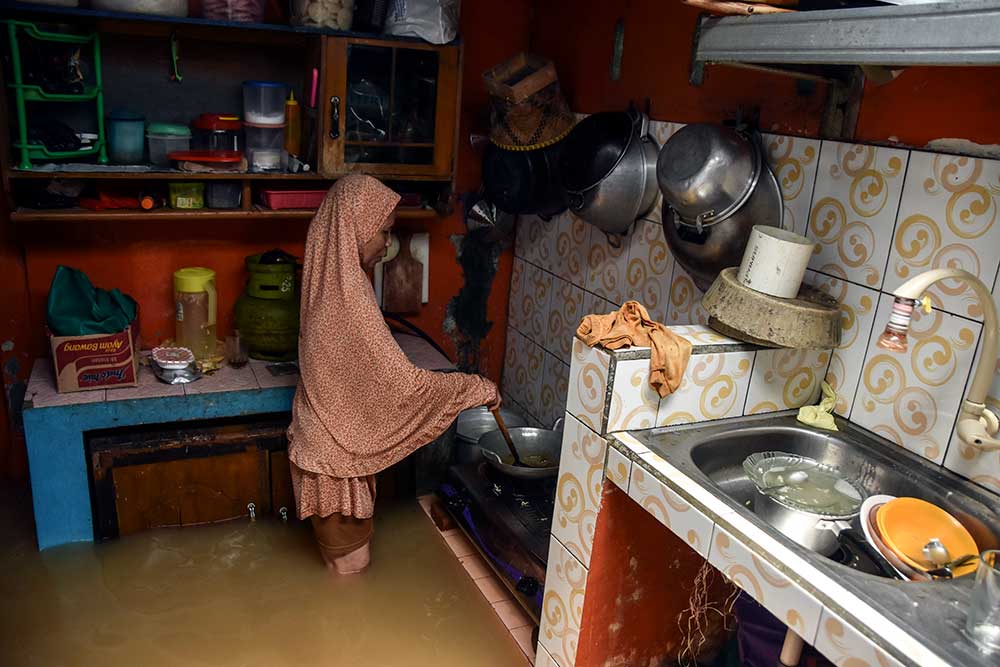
335,117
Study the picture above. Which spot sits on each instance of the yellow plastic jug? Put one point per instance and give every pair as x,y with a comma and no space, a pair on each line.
195,302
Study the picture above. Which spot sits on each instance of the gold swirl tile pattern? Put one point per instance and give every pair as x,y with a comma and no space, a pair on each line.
685,300
607,266
515,305
846,647
617,469
650,268
564,315
670,509
562,605
571,245
536,293
523,366
857,318
633,401
786,379
794,161
948,217
714,386
853,211
913,398
578,489
588,382
769,587
555,387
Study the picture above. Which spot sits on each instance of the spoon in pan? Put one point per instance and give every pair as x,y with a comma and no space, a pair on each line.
506,437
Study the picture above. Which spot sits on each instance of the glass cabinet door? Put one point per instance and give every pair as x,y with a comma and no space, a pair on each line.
390,110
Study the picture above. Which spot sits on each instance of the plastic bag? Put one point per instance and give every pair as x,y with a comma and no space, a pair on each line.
435,21
77,308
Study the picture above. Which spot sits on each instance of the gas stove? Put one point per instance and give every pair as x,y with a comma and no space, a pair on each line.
509,521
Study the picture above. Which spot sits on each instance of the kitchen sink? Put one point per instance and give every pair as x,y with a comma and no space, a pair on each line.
717,451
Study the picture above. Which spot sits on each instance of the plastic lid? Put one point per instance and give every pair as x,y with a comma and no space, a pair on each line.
225,157
264,84
192,279
125,114
265,126
168,129
217,122
804,484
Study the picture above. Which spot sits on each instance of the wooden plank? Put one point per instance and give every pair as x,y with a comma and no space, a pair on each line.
282,494
23,215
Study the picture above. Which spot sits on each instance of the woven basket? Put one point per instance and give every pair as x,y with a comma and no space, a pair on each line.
527,107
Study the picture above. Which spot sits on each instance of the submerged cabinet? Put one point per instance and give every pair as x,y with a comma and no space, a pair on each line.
391,108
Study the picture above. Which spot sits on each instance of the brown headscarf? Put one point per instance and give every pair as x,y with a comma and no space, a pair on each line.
361,405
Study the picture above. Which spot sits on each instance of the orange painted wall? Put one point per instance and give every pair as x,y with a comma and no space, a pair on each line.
140,258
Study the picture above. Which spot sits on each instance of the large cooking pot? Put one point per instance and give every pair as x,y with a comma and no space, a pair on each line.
531,444
793,508
524,182
608,169
717,186
474,423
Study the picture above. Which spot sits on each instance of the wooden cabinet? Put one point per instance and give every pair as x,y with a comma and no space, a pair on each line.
389,108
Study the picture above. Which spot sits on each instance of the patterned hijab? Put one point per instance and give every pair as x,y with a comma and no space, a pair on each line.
360,405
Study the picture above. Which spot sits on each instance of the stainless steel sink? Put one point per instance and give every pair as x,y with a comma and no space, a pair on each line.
712,454
861,456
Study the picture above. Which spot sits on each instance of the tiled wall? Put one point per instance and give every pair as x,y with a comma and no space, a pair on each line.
879,216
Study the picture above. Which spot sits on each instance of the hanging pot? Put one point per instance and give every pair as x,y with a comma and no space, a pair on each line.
523,182
716,186
608,169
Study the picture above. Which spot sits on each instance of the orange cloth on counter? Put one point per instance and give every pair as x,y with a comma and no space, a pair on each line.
360,404
631,326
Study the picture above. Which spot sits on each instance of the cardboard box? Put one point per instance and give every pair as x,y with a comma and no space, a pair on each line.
96,361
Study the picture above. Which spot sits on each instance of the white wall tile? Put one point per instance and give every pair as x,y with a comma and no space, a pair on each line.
948,217
618,468
785,379
912,398
857,318
794,161
670,509
772,589
565,313
515,302
714,386
843,645
522,376
606,266
854,208
650,269
536,240
562,607
633,401
685,300
555,387
578,490
572,243
536,292
588,382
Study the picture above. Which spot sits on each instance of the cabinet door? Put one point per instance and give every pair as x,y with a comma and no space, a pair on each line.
391,108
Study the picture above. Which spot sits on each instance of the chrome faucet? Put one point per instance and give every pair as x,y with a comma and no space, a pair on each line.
977,424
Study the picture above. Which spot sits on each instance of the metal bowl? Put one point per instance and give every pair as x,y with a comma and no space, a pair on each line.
475,422
707,172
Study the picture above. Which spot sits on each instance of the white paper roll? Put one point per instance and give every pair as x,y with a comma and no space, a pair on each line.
775,261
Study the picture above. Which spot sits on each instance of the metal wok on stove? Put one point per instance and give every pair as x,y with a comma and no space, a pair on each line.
533,444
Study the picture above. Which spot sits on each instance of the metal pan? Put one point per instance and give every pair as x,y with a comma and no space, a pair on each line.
531,443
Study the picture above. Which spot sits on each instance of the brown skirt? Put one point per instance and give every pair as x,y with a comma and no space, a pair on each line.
339,535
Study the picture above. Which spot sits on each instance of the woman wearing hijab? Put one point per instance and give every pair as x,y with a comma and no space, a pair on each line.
360,405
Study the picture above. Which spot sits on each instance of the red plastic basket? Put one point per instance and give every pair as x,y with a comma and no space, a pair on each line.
283,199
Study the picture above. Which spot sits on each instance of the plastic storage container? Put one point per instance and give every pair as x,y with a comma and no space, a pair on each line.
265,147
223,194
126,137
336,14
165,138
217,132
195,305
160,7
264,102
184,195
241,11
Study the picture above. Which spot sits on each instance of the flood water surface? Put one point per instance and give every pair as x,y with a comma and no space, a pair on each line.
242,593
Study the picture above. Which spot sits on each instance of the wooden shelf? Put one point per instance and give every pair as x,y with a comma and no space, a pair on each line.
172,175
27,215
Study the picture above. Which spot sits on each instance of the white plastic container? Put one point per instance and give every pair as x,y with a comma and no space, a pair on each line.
264,102
265,147
775,261
164,139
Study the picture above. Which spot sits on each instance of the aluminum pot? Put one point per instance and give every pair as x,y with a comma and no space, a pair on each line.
474,423
812,531
608,169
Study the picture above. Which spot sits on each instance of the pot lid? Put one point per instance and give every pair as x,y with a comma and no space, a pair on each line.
217,122
168,130
804,484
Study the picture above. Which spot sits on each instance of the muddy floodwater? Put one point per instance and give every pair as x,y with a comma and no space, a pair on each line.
241,593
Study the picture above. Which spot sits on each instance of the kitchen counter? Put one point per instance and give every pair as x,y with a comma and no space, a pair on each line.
843,613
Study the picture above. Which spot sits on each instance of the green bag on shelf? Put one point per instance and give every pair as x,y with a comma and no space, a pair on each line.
77,308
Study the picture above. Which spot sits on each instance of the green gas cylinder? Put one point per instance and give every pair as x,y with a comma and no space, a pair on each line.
267,313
